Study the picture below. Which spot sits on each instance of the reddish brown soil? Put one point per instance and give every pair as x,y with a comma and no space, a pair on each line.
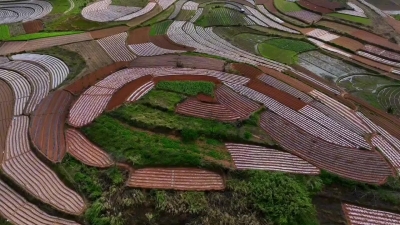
315,8
47,125
332,5
360,165
287,79
179,61
375,39
206,98
163,41
138,36
123,93
388,125
33,26
6,114
393,23
280,96
247,70
176,179
186,77
86,152
80,85
348,43
97,34
372,63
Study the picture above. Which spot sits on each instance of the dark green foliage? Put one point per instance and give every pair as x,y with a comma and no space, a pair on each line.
191,88
162,99
160,28
4,222
189,135
290,44
220,16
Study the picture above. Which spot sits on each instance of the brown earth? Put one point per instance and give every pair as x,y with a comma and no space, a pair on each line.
187,77
315,8
280,96
246,70
163,41
80,85
33,26
97,34
138,36
6,114
206,98
179,61
375,39
348,43
47,125
120,96
328,4
372,63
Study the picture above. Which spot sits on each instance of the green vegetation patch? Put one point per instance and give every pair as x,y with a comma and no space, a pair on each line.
141,149
287,6
74,61
4,32
284,50
161,16
191,88
26,37
220,16
162,99
249,42
60,6
355,19
160,28
136,3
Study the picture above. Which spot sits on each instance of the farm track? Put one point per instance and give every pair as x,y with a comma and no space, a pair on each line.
185,179
85,151
138,36
47,125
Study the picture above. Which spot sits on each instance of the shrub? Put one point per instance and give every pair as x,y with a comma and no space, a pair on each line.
189,135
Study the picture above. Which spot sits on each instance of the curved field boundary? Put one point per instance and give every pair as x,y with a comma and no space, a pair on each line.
138,36
38,78
315,8
98,34
86,152
246,70
24,11
6,114
12,47
392,155
348,43
150,49
116,48
363,216
71,7
55,41
163,41
261,158
103,11
46,129
195,108
178,7
382,52
33,26
185,179
351,163
26,170
18,211
389,96
148,8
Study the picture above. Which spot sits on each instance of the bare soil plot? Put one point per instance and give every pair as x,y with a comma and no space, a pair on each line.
348,43
93,54
332,5
138,36
280,96
6,114
246,70
313,7
80,85
97,34
341,28
47,125
122,94
33,26
163,41
85,151
261,158
360,165
55,41
375,39
179,61
372,63
187,77
187,179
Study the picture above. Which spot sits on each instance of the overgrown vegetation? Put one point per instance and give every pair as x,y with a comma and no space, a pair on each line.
74,61
191,88
160,28
26,37
4,32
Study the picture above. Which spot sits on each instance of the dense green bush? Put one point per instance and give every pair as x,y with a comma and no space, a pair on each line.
189,135
188,87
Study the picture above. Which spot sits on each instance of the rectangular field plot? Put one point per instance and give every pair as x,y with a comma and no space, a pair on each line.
390,5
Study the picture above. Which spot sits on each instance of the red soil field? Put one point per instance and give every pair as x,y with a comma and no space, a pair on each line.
315,8
372,63
33,26
360,165
6,114
186,77
80,85
179,61
206,98
287,79
393,23
186,179
348,43
138,36
123,93
280,96
195,108
333,5
47,125
97,34
163,41
86,152
247,70
375,39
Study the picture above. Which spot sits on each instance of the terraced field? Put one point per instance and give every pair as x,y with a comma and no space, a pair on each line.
198,112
